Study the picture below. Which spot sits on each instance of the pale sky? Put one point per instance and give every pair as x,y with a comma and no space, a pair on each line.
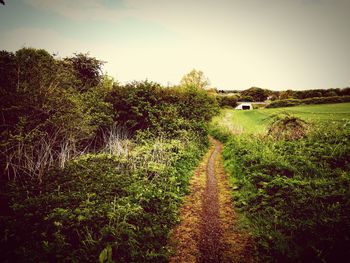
274,44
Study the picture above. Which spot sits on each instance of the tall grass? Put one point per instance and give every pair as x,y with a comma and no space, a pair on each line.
33,160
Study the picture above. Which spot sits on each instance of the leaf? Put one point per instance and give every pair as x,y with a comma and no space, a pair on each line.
106,255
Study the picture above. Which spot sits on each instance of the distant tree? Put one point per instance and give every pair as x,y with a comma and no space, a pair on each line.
345,91
246,99
256,93
87,69
274,95
227,100
196,79
330,93
287,94
2,2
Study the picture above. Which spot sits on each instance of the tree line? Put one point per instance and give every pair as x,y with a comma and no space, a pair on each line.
256,94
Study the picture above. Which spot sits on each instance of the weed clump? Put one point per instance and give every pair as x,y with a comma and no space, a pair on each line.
287,127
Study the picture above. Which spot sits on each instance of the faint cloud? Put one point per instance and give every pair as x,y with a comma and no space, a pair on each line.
81,10
40,38
313,1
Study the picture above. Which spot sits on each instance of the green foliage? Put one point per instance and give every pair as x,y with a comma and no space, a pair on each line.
316,100
106,255
255,93
306,94
227,101
195,79
294,195
77,189
100,207
41,103
86,69
219,133
246,98
167,112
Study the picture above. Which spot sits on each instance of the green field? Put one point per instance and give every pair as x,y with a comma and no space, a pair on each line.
292,194
255,121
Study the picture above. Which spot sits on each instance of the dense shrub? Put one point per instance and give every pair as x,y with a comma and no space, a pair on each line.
317,100
294,195
162,111
283,103
41,106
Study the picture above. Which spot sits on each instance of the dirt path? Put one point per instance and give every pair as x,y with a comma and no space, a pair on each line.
207,231
210,245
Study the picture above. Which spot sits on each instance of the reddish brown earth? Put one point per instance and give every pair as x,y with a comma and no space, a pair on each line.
210,244
208,229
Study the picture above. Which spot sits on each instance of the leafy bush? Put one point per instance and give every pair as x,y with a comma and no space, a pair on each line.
41,105
294,195
162,111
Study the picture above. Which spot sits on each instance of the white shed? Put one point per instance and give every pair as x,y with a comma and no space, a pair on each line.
244,106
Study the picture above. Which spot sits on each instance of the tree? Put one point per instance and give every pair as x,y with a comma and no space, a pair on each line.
196,79
256,93
87,69
42,102
286,94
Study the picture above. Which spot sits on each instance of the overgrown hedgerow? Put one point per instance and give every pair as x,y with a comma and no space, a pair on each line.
315,100
91,170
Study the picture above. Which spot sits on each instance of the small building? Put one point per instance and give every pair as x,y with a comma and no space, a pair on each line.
244,106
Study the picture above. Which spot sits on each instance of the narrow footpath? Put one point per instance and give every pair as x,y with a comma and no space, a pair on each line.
207,231
210,242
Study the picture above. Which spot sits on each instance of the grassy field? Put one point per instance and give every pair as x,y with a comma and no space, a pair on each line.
255,121
291,194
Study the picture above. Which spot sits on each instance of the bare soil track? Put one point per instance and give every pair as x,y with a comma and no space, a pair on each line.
207,231
210,246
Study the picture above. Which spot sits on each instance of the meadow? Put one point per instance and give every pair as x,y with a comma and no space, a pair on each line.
292,193
256,121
